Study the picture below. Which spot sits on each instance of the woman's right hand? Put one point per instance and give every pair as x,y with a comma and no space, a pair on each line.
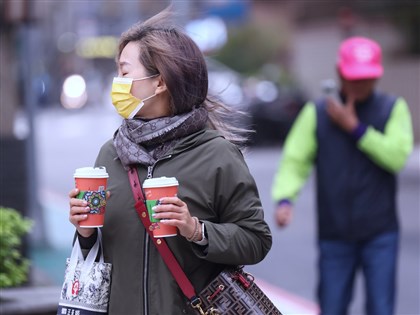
78,212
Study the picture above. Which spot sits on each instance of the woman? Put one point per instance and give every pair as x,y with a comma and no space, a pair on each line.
172,130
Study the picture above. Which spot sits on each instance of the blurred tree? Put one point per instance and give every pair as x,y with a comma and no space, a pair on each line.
13,266
250,47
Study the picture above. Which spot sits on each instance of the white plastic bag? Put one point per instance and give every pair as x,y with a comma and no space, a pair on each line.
87,283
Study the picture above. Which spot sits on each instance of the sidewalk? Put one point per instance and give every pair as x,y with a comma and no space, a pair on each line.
29,300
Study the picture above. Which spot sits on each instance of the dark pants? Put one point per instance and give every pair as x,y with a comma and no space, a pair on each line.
340,260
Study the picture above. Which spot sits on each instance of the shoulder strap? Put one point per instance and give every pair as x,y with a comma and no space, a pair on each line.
167,255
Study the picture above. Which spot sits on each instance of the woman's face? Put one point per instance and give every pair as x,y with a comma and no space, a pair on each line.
129,66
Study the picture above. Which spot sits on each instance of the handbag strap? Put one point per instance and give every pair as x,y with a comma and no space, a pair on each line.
167,255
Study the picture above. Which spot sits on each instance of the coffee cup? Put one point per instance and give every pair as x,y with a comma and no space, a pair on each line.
154,189
91,182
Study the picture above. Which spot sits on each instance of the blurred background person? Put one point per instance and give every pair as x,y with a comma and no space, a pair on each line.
358,142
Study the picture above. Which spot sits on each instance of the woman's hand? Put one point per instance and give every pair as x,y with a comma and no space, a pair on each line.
173,211
78,212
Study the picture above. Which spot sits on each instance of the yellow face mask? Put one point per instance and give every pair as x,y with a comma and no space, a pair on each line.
126,104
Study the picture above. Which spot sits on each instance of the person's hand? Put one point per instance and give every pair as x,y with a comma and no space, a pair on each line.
78,212
343,115
173,211
283,214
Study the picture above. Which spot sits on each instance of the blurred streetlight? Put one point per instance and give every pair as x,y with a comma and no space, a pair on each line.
73,95
209,33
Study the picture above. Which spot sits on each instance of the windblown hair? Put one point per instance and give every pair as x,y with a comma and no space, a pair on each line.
167,50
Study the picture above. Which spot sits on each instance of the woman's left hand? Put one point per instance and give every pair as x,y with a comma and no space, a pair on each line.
173,211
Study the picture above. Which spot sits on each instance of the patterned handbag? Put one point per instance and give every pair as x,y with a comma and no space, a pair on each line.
232,292
87,283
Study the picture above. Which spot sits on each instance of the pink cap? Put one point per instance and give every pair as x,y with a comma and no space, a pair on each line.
360,58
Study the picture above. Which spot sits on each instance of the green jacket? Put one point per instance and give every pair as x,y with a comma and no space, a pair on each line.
218,188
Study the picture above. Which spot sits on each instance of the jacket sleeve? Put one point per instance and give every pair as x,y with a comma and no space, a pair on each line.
391,148
298,156
240,236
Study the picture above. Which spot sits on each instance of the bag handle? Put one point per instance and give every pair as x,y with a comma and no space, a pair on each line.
161,245
77,255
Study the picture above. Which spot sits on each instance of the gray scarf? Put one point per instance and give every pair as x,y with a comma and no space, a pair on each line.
144,142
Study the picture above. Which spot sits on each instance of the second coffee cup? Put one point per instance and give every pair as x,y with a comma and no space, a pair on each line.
154,189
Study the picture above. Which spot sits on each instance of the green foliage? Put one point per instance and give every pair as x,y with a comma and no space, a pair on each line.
13,267
251,47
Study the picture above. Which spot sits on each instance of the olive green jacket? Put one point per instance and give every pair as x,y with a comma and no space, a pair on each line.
218,188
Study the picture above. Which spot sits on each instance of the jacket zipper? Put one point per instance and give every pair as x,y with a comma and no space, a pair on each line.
150,169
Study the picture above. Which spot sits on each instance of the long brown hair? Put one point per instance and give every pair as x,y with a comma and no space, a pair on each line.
167,50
